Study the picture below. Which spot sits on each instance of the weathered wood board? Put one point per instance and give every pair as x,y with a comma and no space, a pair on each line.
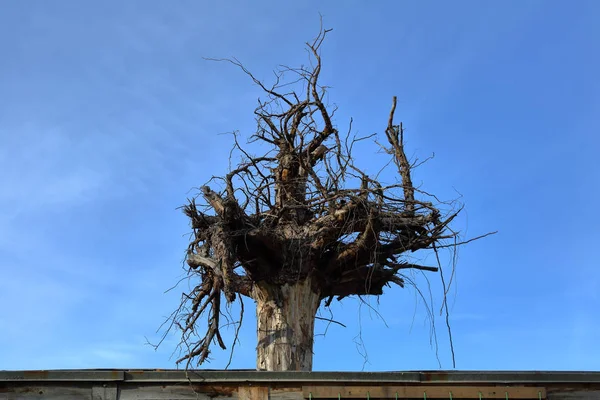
253,385
420,392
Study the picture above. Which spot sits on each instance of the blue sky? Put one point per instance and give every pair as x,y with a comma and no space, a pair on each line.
109,116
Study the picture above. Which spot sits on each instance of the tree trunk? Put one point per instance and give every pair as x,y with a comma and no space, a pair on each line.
286,320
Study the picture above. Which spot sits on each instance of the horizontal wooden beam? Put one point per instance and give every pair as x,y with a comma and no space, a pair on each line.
420,392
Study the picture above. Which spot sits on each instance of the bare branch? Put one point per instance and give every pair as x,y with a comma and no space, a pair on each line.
300,212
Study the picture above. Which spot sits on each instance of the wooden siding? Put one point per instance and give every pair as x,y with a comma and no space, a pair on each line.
252,385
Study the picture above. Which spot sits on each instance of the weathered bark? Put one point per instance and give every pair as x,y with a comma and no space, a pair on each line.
286,318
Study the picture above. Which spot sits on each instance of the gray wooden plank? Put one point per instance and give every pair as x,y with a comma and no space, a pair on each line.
264,376
63,375
46,392
171,392
575,395
232,376
107,391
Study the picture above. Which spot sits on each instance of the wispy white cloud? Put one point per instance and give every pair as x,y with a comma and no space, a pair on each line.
43,169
